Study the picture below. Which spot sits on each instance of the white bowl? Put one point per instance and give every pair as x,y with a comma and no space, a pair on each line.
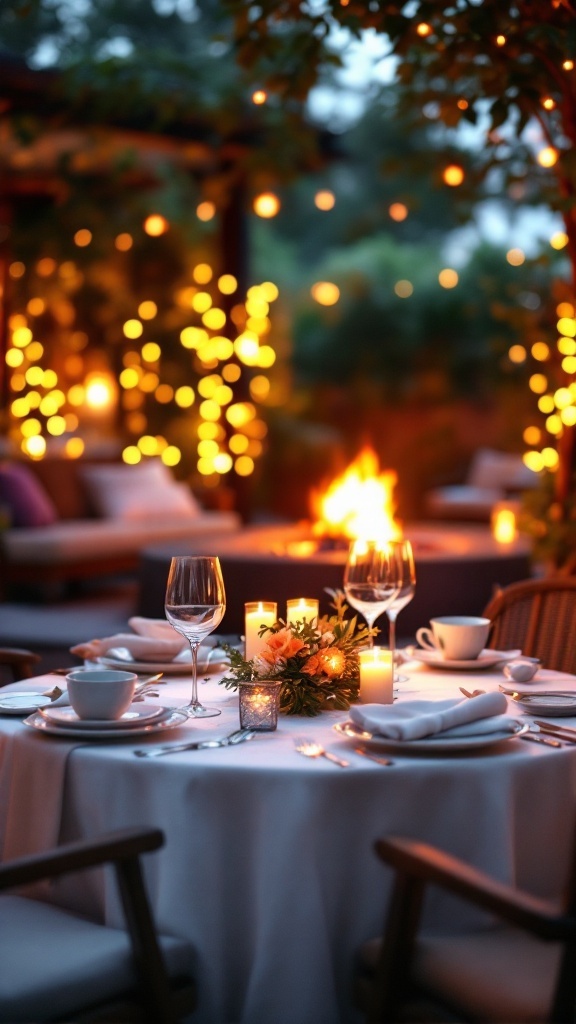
101,694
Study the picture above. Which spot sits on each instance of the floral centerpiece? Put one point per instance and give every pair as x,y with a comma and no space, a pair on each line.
316,662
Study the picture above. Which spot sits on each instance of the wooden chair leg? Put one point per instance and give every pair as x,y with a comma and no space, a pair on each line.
393,973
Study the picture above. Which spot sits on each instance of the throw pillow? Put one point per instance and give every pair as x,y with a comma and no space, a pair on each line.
138,492
23,495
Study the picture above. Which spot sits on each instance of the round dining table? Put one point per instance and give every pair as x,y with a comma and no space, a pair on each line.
269,869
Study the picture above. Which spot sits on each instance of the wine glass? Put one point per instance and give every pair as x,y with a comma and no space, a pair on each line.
406,575
195,603
370,579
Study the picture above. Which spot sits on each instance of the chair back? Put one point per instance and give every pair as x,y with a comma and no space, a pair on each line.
16,663
538,616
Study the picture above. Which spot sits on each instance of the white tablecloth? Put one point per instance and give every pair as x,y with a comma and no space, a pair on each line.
269,869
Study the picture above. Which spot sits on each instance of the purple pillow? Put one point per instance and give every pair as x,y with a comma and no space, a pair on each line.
27,502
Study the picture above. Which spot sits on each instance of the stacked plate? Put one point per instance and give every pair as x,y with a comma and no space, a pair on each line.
145,718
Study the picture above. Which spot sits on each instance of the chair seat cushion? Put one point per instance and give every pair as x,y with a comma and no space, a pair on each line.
54,962
495,975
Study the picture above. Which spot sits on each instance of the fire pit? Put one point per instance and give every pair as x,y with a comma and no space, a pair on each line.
457,567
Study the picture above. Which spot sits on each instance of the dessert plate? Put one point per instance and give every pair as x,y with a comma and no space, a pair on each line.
486,659
22,703
429,745
41,724
131,719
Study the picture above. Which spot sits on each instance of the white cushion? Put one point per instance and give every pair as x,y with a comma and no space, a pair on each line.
494,469
140,501
496,975
54,962
137,492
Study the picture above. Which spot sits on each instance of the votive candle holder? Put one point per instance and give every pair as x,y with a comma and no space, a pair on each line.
259,703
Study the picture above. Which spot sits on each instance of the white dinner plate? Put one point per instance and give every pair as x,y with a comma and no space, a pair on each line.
177,667
22,703
133,718
553,705
486,659
428,744
41,724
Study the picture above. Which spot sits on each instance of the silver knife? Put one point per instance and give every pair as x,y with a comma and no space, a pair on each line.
536,737
562,732
373,757
238,736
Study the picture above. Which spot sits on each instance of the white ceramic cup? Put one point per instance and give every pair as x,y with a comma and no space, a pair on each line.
100,694
455,637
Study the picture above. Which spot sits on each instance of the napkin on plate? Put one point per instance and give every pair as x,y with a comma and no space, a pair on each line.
159,629
142,648
415,719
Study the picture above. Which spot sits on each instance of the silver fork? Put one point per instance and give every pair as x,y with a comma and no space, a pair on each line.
238,736
309,748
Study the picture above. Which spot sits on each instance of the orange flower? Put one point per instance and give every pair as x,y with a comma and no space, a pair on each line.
330,663
283,644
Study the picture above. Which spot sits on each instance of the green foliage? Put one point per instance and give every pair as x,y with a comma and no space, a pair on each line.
550,524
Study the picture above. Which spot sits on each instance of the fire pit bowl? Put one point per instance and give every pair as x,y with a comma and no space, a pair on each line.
457,567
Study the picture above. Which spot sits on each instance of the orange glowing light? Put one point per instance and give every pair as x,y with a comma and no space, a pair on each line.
324,199
266,204
359,503
156,225
259,96
424,29
453,175
398,211
206,211
548,156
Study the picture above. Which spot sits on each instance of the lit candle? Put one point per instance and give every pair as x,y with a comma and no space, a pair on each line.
258,704
376,675
503,522
256,615
298,608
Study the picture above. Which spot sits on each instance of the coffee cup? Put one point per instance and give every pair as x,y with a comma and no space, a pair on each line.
100,693
455,637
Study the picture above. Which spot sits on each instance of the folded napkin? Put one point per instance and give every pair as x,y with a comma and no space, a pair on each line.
159,629
414,719
142,648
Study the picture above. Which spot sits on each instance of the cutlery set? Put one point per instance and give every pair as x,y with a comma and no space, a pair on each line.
309,748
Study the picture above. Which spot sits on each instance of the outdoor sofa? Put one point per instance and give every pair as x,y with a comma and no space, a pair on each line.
66,520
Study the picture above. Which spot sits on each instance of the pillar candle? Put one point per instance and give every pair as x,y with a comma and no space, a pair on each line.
257,614
376,675
298,608
503,522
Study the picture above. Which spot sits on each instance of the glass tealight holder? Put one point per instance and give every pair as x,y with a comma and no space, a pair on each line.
259,702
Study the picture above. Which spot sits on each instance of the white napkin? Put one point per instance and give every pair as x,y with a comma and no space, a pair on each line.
142,648
414,719
160,629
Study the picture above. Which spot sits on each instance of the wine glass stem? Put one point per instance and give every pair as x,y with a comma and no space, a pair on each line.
392,634
194,651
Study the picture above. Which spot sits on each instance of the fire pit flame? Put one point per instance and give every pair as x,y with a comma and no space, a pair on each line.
357,504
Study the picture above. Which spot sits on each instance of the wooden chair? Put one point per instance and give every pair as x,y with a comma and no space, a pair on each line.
539,616
60,966
522,971
16,663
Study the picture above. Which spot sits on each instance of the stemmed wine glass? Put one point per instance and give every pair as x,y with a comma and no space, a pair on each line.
406,574
370,579
195,604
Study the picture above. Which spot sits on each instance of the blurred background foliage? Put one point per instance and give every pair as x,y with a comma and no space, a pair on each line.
418,369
